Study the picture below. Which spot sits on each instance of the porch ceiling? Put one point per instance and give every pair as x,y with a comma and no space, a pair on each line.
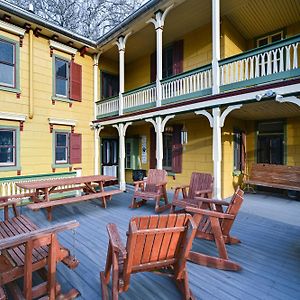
266,110
251,18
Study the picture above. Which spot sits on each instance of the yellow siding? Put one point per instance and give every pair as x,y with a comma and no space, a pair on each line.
36,139
293,141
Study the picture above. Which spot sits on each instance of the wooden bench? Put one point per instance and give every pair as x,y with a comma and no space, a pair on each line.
24,249
104,196
274,176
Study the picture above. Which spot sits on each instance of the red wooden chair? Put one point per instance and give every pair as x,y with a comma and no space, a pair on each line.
214,223
154,243
153,188
201,184
24,249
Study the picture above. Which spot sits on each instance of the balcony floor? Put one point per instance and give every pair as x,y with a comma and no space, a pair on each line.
269,254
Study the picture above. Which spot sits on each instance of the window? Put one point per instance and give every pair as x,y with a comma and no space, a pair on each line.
269,39
7,64
68,79
61,148
131,153
239,150
270,142
172,61
167,149
61,77
110,85
7,147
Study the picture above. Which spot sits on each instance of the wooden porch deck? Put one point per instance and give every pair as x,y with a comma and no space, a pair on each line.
268,227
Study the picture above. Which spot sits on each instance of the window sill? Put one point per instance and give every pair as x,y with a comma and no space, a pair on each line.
56,166
9,168
55,98
10,89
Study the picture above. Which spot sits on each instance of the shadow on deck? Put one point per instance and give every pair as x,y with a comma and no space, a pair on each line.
269,254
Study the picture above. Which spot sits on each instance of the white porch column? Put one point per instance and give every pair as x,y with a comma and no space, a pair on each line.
159,126
121,46
122,131
158,22
216,122
96,134
215,46
97,131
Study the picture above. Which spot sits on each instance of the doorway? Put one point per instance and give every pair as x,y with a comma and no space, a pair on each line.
109,157
270,142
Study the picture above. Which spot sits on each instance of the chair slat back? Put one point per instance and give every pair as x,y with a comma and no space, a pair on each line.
199,181
156,240
155,177
233,209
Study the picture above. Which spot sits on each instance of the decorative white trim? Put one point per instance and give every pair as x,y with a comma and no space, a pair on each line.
12,28
205,113
227,111
165,120
291,99
62,47
12,116
65,122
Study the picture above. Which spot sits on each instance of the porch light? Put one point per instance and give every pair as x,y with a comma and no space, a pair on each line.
184,135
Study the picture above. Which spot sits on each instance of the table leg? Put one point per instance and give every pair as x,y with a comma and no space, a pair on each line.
102,190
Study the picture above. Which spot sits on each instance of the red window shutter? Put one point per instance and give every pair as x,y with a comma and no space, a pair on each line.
243,151
75,148
178,57
152,148
153,67
177,149
75,81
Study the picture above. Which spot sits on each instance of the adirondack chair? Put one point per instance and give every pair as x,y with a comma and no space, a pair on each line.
201,184
154,243
154,188
214,223
24,249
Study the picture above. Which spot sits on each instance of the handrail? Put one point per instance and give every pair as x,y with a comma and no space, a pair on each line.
139,89
259,50
107,99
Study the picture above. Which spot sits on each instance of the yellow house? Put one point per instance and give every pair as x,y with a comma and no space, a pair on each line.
185,85
209,86
46,99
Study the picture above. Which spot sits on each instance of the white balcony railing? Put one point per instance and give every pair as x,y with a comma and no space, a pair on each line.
186,83
108,106
268,60
143,96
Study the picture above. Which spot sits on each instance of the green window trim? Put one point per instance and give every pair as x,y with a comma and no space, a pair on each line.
16,88
54,96
132,158
17,166
54,164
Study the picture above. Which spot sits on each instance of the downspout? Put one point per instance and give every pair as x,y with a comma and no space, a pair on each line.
31,101
96,132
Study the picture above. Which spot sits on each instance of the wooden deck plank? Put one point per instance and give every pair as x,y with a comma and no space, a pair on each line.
269,253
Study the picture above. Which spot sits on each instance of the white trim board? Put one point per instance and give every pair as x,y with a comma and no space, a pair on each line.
12,28
65,122
12,116
62,47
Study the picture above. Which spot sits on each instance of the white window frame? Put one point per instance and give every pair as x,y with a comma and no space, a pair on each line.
68,77
66,161
269,37
14,162
14,65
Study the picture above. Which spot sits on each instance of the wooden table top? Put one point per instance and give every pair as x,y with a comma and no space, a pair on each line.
42,184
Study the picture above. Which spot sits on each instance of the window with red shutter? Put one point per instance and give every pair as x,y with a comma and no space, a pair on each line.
75,81
75,148
177,149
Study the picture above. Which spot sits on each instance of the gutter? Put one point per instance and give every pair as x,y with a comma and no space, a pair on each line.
31,17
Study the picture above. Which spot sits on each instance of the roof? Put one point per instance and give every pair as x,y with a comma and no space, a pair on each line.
31,17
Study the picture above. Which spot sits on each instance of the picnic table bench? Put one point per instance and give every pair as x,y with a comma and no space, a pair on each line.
92,186
274,176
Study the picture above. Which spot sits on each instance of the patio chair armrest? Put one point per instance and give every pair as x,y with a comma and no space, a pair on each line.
201,192
115,239
212,201
209,213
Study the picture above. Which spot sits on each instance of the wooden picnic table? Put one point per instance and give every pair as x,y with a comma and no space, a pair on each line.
92,186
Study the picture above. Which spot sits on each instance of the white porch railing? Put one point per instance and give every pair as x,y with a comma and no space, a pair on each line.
142,96
268,60
187,83
8,186
108,106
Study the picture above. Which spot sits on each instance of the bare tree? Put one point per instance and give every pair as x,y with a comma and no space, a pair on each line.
90,18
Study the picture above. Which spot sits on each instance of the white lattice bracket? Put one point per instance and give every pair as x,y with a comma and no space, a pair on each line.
291,99
208,115
227,111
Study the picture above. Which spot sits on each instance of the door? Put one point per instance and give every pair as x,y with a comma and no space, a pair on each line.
270,143
109,157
